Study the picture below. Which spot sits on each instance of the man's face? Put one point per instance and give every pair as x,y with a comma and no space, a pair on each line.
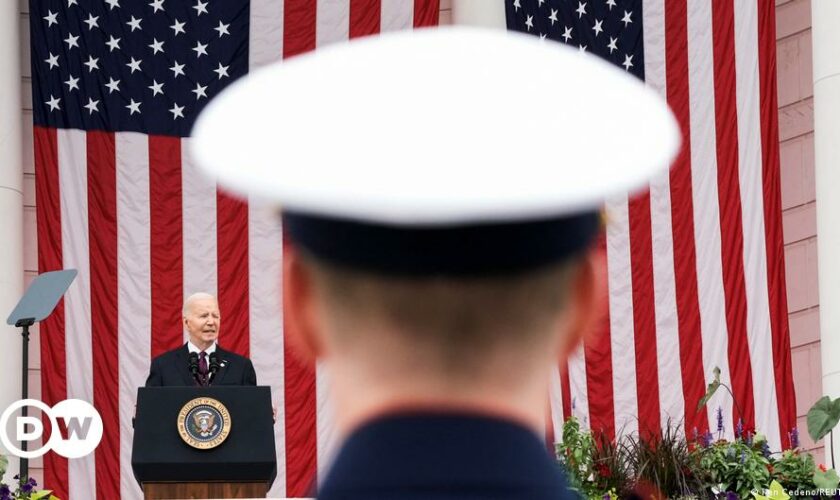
202,322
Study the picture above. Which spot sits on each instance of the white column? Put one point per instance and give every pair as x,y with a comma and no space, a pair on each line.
825,18
11,205
484,13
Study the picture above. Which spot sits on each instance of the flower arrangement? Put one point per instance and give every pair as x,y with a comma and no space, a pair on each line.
702,464
25,490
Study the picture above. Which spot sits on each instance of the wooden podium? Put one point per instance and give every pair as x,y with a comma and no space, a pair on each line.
204,442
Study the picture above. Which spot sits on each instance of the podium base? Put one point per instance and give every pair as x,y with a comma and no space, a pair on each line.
204,490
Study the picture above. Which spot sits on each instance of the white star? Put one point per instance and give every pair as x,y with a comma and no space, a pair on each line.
223,29
71,2
222,71
113,3
134,23
156,46
200,8
51,18
199,91
626,19
628,62
114,43
553,17
178,27
517,5
92,22
582,48
92,63
178,69
133,107
91,106
113,85
200,49
597,28
529,22
542,36
567,34
156,88
72,83
540,2
53,103
177,111
611,3
581,10
134,65
52,60
612,45
71,41
157,5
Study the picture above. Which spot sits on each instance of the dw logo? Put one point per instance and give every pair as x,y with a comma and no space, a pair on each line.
76,428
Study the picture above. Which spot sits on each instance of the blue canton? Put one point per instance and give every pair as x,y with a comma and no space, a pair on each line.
610,29
127,65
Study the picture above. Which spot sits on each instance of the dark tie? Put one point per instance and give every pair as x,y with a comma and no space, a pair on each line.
202,369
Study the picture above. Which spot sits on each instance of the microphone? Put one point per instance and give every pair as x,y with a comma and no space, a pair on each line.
194,363
214,364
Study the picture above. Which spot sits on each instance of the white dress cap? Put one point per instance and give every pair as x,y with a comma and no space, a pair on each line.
437,127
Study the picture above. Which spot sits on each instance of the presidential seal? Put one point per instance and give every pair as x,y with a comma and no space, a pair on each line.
204,423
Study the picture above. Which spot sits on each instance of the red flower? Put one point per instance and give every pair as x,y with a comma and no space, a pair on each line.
822,468
769,468
603,470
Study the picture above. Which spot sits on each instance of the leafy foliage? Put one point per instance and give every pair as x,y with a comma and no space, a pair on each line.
822,417
25,488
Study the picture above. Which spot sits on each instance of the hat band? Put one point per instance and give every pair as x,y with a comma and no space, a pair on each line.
461,250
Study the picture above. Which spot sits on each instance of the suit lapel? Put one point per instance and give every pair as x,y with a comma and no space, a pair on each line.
224,363
183,365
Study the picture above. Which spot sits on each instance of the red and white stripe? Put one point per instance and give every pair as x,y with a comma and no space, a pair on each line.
145,230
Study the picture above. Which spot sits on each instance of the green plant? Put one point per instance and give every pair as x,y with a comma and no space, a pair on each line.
794,470
733,467
574,454
25,488
663,462
822,419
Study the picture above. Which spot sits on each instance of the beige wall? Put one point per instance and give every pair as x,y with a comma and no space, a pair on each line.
796,146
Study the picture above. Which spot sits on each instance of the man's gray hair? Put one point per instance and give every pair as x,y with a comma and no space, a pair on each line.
194,297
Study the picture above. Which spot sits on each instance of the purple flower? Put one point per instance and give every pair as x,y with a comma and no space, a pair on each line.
720,419
765,449
26,487
794,438
707,440
5,492
606,496
749,439
743,456
730,495
739,429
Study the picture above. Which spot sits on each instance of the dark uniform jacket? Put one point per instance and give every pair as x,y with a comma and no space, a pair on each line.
443,457
173,369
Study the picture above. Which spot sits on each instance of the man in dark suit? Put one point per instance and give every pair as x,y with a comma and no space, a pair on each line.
440,258
201,362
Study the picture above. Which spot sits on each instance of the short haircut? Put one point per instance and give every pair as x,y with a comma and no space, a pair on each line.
456,316
192,298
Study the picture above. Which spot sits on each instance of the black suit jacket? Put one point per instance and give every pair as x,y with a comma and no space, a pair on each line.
444,457
172,369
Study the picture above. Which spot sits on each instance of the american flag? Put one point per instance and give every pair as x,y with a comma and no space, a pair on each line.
116,86
695,265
